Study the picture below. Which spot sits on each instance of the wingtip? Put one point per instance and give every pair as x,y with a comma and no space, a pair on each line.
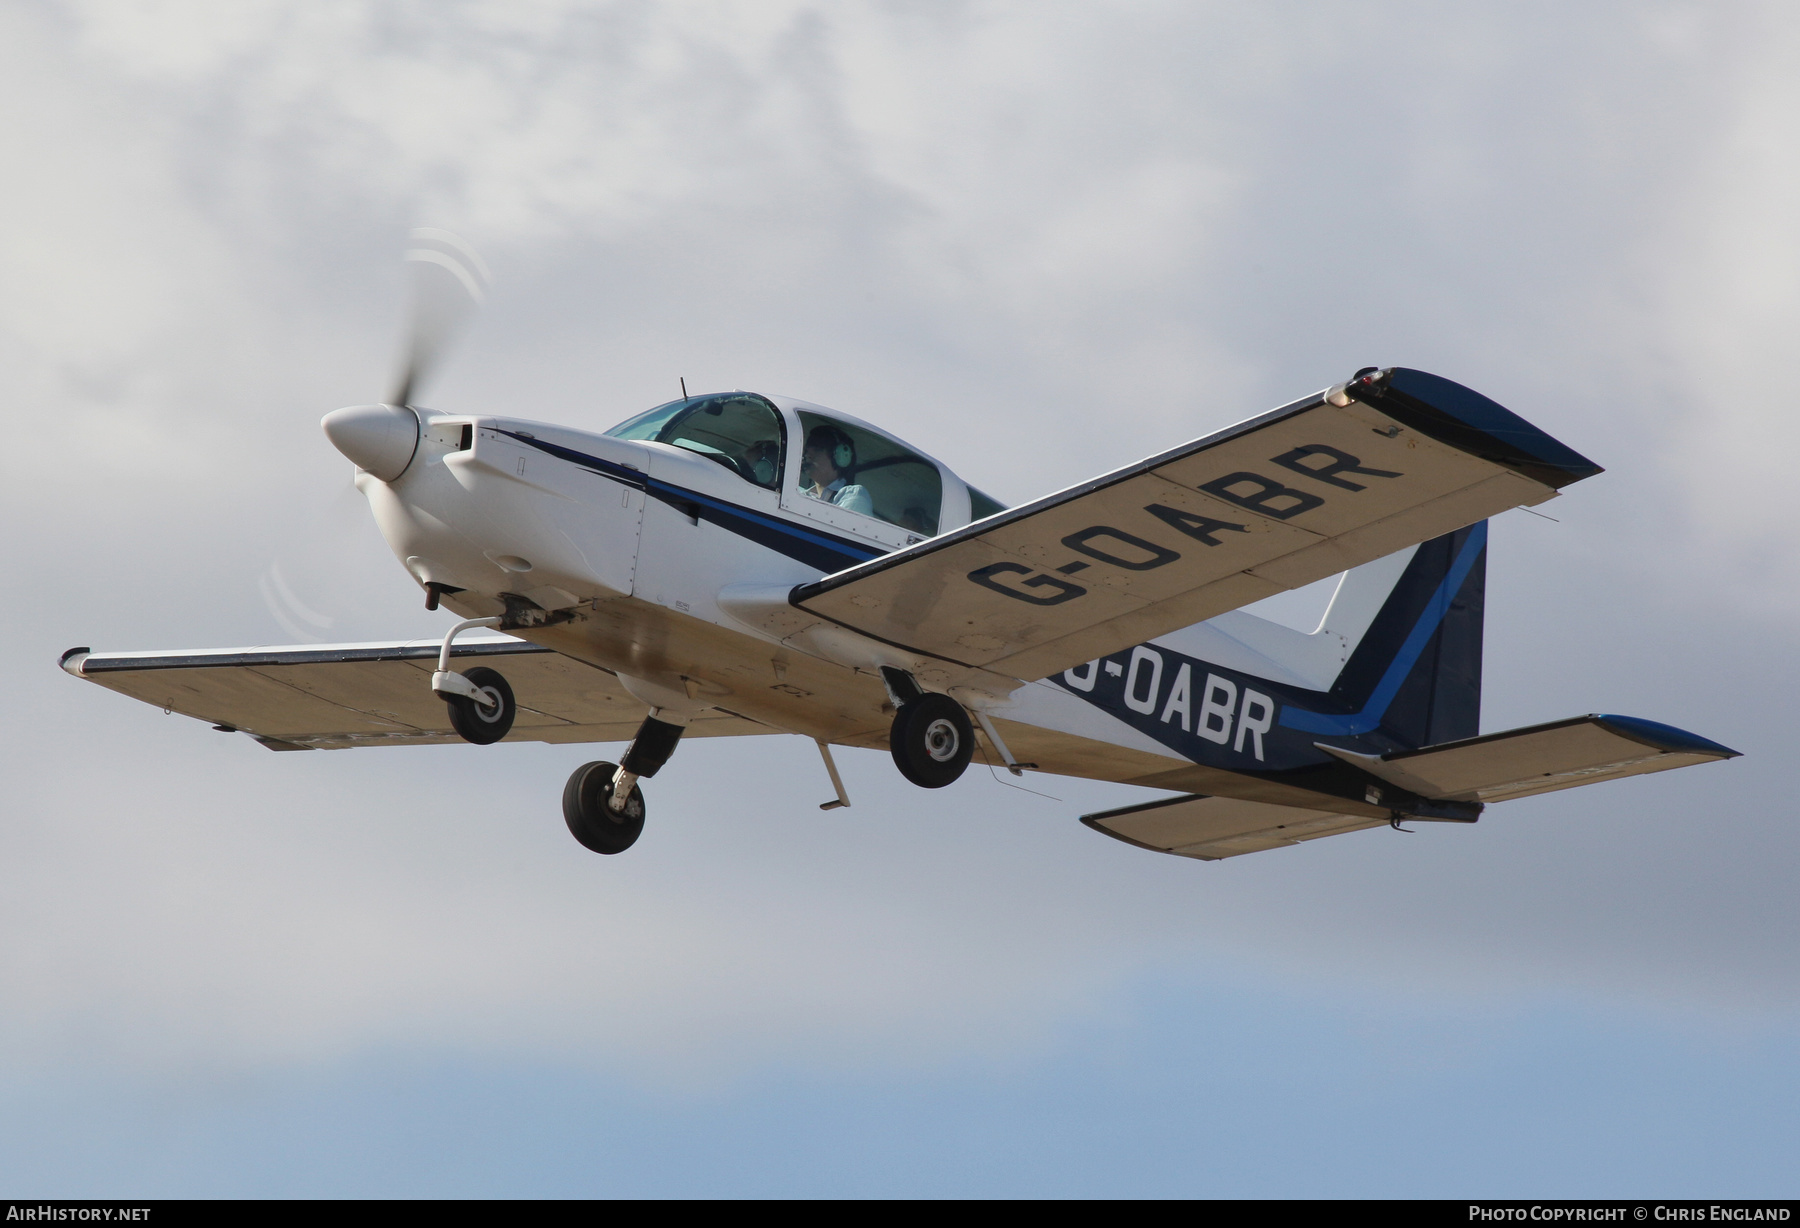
72,659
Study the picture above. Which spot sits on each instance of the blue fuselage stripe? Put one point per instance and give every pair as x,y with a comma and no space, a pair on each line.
774,530
1403,662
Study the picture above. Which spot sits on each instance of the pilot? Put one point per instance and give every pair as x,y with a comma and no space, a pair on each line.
762,459
827,460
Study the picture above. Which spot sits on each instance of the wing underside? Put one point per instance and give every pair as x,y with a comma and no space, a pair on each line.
1298,494
338,696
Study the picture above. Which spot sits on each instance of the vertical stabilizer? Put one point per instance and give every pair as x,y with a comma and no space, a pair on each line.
1417,669
1395,663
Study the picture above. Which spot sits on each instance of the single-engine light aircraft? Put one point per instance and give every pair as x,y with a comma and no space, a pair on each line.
747,563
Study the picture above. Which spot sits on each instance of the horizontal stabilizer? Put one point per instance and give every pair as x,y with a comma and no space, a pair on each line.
1210,828
332,696
1539,758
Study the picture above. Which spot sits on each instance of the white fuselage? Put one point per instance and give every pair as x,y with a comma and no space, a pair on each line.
633,543
672,571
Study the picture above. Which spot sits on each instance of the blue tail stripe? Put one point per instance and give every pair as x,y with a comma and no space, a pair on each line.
1403,662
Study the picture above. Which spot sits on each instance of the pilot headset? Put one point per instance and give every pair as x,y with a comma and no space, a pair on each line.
764,470
843,452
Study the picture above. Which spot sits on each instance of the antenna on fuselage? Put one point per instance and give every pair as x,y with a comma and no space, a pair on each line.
684,395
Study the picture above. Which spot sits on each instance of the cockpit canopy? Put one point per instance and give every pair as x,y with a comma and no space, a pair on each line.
841,462
860,471
739,430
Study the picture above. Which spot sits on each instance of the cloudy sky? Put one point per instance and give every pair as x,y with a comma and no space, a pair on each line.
1041,240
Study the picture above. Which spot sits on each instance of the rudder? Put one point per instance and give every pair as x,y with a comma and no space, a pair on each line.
1418,669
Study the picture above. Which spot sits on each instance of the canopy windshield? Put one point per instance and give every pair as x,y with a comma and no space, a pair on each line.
739,430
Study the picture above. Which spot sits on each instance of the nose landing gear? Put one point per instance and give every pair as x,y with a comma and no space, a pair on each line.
481,703
485,716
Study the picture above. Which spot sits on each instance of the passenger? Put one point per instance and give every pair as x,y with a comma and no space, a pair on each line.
826,465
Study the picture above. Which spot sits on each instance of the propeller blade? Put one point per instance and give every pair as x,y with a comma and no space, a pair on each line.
310,587
449,280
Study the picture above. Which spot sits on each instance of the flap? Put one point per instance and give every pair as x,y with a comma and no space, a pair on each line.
1300,493
1211,828
341,695
1539,758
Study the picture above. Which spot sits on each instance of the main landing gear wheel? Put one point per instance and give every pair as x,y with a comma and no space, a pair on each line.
591,818
932,740
485,722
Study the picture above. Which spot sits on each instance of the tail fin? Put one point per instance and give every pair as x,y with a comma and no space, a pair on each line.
1440,701
1397,655
1415,673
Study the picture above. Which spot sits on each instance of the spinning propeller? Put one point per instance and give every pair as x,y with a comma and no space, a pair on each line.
449,279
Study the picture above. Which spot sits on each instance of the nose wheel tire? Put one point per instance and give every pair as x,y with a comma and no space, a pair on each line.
932,740
592,821
488,722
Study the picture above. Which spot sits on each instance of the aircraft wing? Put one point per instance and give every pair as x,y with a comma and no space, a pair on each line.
329,697
1293,496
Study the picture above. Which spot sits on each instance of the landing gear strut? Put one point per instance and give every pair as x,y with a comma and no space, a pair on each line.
486,716
932,740
481,703
590,814
602,803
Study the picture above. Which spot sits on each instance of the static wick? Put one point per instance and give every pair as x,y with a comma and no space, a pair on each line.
1540,515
